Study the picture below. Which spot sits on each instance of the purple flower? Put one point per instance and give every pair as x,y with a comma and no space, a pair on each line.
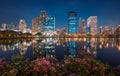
45,74
36,68
13,71
1,67
66,61
95,68
53,69
72,74
39,63
44,62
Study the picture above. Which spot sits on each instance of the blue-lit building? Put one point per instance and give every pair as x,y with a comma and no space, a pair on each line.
43,23
72,48
72,22
88,29
49,24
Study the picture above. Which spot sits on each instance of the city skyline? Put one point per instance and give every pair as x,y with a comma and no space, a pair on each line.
107,11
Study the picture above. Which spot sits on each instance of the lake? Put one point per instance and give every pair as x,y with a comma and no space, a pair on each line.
106,50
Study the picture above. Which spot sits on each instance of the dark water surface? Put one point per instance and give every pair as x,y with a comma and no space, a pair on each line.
105,49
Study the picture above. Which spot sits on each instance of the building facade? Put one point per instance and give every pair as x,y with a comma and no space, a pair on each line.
92,22
88,30
101,30
35,25
72,22
10,27
22,26
43,24
81,26
49,24
38,22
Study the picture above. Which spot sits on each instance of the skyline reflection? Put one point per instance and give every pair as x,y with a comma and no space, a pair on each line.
50,47
48,43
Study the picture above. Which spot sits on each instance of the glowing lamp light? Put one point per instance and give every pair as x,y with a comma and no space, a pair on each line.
100,46
84,39
24,43
102,43
107,45
119,48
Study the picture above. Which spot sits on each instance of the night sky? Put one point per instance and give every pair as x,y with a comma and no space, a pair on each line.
108,11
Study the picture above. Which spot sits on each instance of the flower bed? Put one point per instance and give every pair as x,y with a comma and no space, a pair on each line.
20,66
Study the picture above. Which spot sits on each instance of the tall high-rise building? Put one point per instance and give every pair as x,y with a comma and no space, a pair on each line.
81,26
22,26
72,22
49,24
43,24
101,30
88,30
38,23
92,22
42,20
35,25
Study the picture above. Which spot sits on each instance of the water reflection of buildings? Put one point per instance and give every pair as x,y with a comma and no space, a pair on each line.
118,43
75,45
87,44
22,46
72,48
7,47
106,42
93,49
46,48
109,43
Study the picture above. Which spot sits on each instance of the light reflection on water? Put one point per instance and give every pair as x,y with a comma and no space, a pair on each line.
104,49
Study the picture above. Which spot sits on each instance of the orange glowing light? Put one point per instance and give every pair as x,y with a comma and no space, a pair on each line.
75,39
84,39
100,46
119,48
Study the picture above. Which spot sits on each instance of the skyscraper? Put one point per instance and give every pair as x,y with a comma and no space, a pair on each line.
81,26
42,20
49,24
92,22
38,22
43,24
35,25
72,22
22,26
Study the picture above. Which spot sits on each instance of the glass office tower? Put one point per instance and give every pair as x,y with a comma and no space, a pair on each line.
72,22
50,24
